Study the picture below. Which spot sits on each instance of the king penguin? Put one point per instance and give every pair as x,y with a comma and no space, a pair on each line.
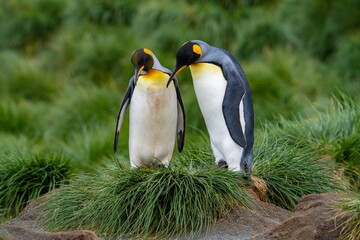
157,113
225,101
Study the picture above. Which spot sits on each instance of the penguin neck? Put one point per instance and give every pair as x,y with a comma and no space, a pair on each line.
198,70
153,79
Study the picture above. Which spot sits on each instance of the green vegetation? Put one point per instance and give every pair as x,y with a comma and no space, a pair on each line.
24,179
65,65
331,134
146,202
350,207
291,173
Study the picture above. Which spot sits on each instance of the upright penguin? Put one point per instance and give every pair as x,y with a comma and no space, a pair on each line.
156,112
224,97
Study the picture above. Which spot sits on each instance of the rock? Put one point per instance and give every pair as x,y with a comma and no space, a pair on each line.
313,218
244,223
25,227
12,232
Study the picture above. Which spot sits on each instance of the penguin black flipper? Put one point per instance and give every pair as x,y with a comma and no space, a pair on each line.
234,93
180,128
120,118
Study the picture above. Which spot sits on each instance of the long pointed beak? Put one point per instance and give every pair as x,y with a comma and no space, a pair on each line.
138,71
175,72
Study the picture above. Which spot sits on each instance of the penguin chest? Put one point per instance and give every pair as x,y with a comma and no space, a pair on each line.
210,85
153,117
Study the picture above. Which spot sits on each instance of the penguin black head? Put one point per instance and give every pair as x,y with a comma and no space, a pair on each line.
142,60
188,53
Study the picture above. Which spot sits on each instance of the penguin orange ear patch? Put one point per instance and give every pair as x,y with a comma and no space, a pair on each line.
197,49
147,51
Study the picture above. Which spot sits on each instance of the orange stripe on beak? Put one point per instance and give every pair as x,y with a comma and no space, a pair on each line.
174,75
139,72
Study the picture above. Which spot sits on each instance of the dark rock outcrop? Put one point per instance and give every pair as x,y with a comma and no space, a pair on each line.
13,232
26,227
313,218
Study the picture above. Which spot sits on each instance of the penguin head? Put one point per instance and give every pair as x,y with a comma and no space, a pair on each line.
143,60
189,53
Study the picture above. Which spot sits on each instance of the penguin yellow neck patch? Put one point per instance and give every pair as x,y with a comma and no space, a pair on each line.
198,69
153,79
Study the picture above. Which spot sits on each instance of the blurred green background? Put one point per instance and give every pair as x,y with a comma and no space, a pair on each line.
65,64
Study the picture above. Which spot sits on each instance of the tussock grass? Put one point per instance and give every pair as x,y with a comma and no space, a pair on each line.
302,156
320,24
338,121
350,207
332,133
16,117
146,202
291,173
80,108
346,59
11,144
89,148
280,84
24,179
97,56
215,22
92,54
265,32
27,23
101,12
21,78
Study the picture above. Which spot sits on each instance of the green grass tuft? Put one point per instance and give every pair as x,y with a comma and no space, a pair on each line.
320,24
21,78
28,23
16,117
265,32
101,12
280,83
347,58
291,173
332,134
350,207
301,156
80,108
11,144
91,146
24,179
146,202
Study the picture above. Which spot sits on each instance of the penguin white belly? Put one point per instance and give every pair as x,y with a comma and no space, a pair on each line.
153,119
210,86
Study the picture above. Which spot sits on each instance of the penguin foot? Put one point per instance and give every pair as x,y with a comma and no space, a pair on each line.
222,164
246,178
160,166
246,174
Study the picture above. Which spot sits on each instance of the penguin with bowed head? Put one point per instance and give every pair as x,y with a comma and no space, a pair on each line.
223,93
157,113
